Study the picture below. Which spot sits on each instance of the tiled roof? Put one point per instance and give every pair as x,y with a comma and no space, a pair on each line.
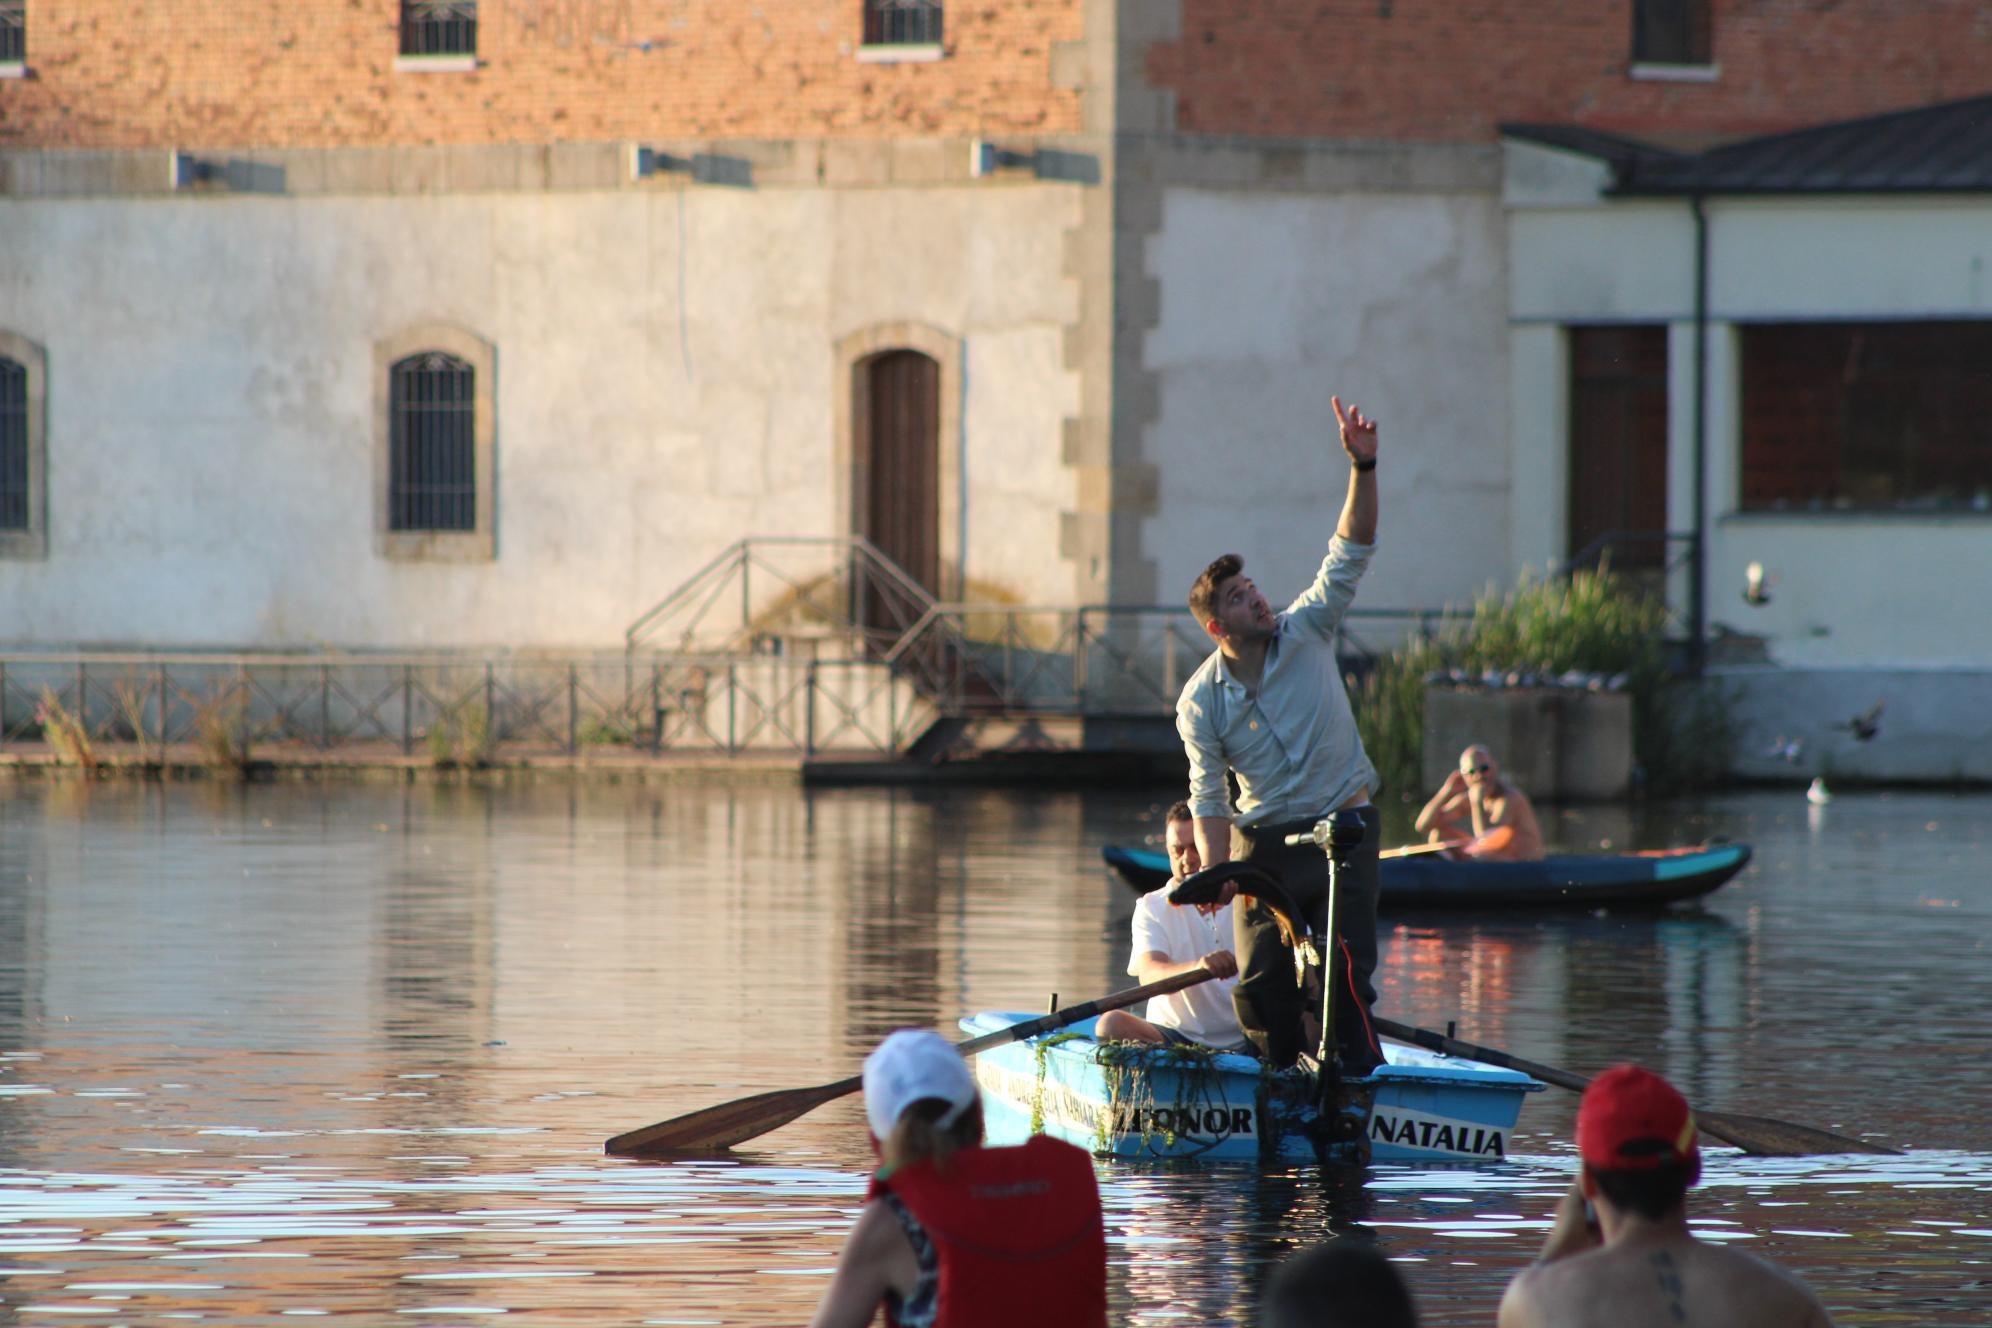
1931,149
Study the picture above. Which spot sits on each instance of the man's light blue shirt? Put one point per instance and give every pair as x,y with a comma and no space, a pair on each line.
1293,745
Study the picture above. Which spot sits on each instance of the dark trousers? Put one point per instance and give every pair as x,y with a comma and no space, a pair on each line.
1269,1000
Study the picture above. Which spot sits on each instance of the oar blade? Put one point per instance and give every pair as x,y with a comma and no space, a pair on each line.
717,1128
1769,1137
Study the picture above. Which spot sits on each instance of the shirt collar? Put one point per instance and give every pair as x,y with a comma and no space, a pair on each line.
1232,684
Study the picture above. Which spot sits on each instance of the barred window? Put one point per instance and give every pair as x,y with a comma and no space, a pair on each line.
432,452
902,22
1672,32
15,513
439,27
13,31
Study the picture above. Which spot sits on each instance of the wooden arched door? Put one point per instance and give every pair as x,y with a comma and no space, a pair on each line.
899,507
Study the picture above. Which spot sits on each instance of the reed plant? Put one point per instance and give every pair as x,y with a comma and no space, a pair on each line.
220,734
461,738
131,699
1590,622
65,733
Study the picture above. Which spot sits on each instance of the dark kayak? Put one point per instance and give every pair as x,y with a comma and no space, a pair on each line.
1590,880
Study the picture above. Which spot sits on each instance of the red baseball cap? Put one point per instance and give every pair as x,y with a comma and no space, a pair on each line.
1632,1120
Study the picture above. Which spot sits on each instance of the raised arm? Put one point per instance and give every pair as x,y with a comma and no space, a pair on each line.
1443,811
1358,431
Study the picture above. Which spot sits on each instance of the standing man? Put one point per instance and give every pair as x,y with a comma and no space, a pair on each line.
1268,706
1640,1263
1169,940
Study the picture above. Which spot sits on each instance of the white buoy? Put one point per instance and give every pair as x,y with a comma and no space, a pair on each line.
1817,794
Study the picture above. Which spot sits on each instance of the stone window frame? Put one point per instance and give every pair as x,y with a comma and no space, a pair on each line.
851,408
31,542
476,545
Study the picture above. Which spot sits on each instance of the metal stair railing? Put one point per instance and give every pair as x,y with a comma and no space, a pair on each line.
843,581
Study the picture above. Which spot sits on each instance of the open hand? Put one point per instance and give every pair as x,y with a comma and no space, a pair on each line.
1358,432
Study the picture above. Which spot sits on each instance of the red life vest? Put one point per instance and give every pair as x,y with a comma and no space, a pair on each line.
1017,1231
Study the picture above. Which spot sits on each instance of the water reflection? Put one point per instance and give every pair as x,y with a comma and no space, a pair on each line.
279,1051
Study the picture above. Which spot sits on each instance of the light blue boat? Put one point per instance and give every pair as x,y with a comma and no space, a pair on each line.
1120,1099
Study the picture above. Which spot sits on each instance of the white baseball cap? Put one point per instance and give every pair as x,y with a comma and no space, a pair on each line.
909,1066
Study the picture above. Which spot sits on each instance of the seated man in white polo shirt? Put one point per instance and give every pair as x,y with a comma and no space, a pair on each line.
1171,939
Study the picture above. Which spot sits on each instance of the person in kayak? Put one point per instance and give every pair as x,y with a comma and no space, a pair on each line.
1480,806
1269,707
1640,1263
954,1234
1171,939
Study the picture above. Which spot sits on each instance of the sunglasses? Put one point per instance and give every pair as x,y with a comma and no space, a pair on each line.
1478,769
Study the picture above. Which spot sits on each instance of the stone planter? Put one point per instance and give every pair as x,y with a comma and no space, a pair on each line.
1557,744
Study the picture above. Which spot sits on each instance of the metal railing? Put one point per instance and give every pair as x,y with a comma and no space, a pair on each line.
767,585
1096,660
451,709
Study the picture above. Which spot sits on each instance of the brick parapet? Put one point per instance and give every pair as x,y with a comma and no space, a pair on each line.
323,73
1445,70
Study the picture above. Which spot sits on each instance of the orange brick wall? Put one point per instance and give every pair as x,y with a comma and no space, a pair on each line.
320,73
1453,69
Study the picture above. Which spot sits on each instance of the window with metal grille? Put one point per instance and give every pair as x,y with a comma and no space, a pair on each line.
432,444
1672,32
1867,416
439,27
14,509
902,22
13,31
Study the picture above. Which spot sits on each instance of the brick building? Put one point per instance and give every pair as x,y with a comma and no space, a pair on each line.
1047,298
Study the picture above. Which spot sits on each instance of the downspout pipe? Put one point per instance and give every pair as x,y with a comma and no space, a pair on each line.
1698,576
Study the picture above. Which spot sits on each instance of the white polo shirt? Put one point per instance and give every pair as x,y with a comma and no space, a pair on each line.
1204,1012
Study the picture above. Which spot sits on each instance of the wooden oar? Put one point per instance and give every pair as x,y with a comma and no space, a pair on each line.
1413,850
730,1123
1761,1135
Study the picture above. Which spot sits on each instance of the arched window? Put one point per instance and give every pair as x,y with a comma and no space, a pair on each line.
432,455
23,450
434,443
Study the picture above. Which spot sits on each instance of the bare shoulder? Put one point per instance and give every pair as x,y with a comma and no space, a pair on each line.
1777,1297
1532,1297
877,1230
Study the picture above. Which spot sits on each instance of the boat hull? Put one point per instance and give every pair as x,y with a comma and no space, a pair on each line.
1122,1100
1603,880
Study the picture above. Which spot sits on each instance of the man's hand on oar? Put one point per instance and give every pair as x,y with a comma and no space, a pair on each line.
715,1128
1762,1135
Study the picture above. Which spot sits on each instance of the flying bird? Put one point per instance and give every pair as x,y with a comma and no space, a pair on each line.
1786,749
1865,726
1756,585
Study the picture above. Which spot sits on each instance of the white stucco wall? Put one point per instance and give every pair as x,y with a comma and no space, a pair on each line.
1270,304
1854,591
664,387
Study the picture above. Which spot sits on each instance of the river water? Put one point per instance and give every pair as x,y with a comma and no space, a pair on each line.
271,1052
